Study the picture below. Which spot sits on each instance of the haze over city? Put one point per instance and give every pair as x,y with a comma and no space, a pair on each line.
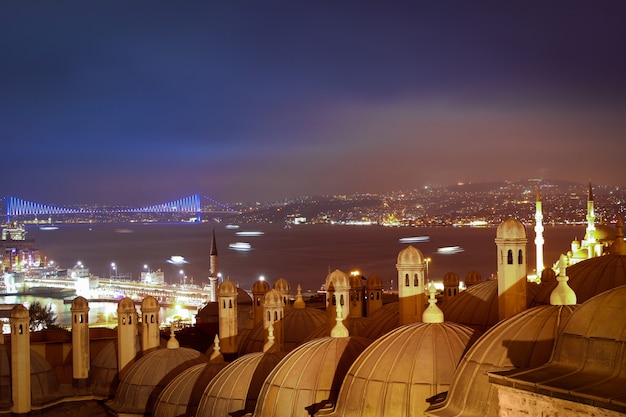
143,102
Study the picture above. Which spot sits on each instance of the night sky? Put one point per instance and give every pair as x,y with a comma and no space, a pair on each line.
132,102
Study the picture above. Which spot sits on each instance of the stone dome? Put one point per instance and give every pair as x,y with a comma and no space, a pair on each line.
522,341
355,281
472,278
337,280
589,278
410,256
149,303
146,378
235,389
477,306
103,377
308,378
227,288
588,361
282,285
451,279
298,325
80,303
511,229
273,299
417,358
374,282
260,287
183,394
126,305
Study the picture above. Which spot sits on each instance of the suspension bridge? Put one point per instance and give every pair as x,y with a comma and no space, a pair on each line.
193,204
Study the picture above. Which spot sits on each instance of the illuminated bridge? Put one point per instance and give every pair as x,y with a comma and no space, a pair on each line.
193,204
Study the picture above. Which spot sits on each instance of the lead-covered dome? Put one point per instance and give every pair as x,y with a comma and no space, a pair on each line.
522,341
397,373
308,378
227,288
511,229
337,279
260,287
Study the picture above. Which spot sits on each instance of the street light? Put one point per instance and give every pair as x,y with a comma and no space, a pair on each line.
182,276
113,270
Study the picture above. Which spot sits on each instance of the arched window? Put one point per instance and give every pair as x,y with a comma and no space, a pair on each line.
406,280
334,300
230,303
21,330
415,280
130,320
269,316
509,257
80,320
275,315
123,320
341,299
152,318
371,296
378,296
224,304
258,301
520,257
449,292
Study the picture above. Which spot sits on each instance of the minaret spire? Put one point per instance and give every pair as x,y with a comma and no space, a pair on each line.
539,240
213,269
590,236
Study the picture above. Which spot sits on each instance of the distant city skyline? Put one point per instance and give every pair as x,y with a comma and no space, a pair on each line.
116,102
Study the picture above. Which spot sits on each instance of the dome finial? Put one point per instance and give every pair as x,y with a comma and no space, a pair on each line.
172,343
270,344
432,314
340,330
216,356
562,295
299,302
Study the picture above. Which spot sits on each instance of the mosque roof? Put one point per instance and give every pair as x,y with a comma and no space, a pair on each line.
298,325
260,287
588,364
235,389
146,378
338,279
282,285
511,228
382,321
374,282
410,256
227,288
182,395
397,373
589,277
523,340
309,377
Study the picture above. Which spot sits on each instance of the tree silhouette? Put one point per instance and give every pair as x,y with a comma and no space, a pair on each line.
42,317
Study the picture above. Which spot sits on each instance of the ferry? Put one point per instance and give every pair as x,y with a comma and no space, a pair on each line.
449,250
232,226
250,233
240,246
414,239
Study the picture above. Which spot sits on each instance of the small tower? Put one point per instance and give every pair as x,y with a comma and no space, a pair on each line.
450,286
299,302
273,312
411,297
213,270
562,295
432,313
126,334
356,295
374,288
150,335
539,241
20,361
80,342
259,289
511,246
282,286
227,300
472,278
337,292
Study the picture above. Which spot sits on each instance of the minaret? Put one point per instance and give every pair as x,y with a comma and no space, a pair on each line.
80,342
273,310
259,289
126,334
20,361
511,243
213,270
539,234
411,297
227,300
590,235
150,335
337,292
282,286
374,288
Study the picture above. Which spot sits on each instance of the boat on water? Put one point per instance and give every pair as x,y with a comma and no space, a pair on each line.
250,233
449,250
414,239
232,226
240,246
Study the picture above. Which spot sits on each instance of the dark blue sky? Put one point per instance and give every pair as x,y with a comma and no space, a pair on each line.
145,102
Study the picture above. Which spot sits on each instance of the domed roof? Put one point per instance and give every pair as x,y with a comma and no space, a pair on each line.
227,288
338,279
382,321
79,303
146,378
183,394
149,303
309,377
522,341
273,299
19,312
548,275
417,358
473,277
260,287
103,371
588,361
126,305
451,278
511,229
374,282
235,389
282,286
410,256
589,278
477,306
356,282
298,325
